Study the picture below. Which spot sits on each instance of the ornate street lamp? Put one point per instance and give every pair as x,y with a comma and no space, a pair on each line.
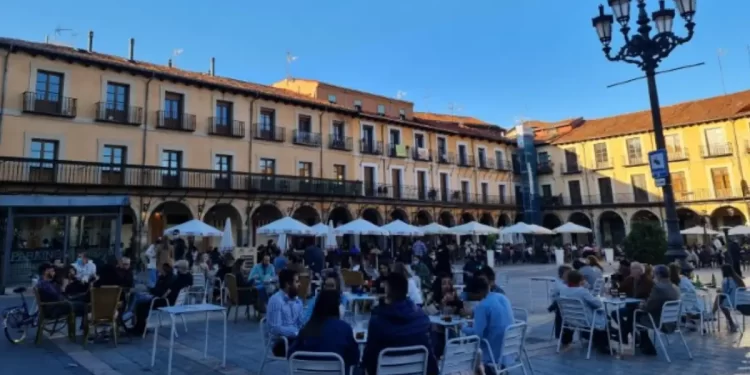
647,52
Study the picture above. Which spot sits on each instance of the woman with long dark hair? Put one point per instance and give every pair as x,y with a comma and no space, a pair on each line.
325,332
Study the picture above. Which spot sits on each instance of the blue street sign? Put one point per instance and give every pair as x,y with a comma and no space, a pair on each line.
658,162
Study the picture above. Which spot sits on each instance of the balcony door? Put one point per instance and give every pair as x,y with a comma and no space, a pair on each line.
574,190
223,167
397,182
46,152
444,187
266,124
462,156
422,185
173,103
171,163
605,190
116,108
369,180
115,158
715,142
49,92
721,183
640,194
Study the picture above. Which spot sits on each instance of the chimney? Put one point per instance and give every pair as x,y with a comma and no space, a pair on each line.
212,69
91,41
169,63
131,52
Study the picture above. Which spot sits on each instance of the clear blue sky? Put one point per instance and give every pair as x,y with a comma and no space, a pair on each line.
496,59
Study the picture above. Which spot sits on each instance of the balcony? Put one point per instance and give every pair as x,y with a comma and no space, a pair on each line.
486,163
570,169
634,160
446,157
465,161
678,154
223,127
24,171
44,103
421,154
113,113
175,121
340,143
396,150
267,132
304,138
602,164
503,165
545,167
367,147
716,150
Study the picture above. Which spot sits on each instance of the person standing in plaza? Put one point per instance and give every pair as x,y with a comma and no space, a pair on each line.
150,255
164,254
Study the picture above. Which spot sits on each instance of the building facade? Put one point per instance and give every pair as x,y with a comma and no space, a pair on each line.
183,145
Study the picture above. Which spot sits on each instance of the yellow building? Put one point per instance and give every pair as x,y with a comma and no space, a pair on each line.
188,145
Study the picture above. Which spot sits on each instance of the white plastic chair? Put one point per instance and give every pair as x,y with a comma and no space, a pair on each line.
312,363
670,314
575,316
705,314
741,298
268,343
181,298
199,288
502,279
409,360
460,355
513,346
522,316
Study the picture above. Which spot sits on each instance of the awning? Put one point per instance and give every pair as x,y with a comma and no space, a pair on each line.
64,201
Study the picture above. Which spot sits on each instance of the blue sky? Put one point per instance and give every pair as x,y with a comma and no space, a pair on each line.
498,60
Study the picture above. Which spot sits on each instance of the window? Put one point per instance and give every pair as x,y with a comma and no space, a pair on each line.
172,106
44,150
679,185
369,180
640,192
546,190
715,142
171,162
542,158
601,156
223,163
339,172
118,95
49,86
720,179
674,147
635,154
571,161
501,191
574,190
304,169
331,98
519,195
422,185
444,187
304,124
482,155
338,130
394,136
605,190
115,157
223,113
516,163
268,166
462,157
358,105
267,121
499,159
381,109
465,190
396,178
402,113
419,140
484,188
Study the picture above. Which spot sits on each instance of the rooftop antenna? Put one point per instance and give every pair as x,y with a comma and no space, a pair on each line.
660,72
400,95
289,60
58,34
453,107
175,52
719,54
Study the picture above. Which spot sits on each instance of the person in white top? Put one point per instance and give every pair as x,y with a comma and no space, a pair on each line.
85,268
151,265
414,294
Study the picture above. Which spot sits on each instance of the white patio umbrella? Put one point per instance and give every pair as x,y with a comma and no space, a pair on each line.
286,225
740,230
330,236
400,228
320,229
571,228
473,228
360,226
227,239
434,228
519,228
699,230
540,230
193,227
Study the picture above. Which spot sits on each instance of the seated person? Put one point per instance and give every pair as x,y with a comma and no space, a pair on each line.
577,290
420,269
141,301
183,279
445,301
488,274
325,332
414,294
663,291
560,284
492,315
76,288
49,291
398,323
637,284
125,273
378,286
330,282
284,317
85,268
261,276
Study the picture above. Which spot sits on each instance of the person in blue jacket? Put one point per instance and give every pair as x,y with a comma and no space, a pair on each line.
397,323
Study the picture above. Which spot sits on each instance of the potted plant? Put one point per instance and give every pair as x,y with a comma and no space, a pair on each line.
646,243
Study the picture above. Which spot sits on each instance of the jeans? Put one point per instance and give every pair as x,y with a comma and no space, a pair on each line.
152,276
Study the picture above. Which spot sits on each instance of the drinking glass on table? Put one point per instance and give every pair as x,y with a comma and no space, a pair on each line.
623,296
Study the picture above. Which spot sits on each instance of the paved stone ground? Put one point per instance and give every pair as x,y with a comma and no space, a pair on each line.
719,353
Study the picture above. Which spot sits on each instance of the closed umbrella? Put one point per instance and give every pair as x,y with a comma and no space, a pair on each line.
227,239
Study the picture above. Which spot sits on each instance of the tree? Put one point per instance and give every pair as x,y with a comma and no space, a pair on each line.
646,243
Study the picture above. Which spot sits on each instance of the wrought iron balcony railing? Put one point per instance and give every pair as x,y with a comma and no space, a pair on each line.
368,147
266,132
114,113
304,138
226,128
340,143
48,103
171,120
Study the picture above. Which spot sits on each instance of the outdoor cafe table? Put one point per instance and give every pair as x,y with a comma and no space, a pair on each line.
353,298
455,322
175,311
618,303
547,281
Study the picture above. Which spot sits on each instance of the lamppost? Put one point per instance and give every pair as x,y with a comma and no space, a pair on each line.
647,51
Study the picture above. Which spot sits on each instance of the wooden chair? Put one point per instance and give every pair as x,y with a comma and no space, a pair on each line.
43,319
352,278
104,303
233,295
